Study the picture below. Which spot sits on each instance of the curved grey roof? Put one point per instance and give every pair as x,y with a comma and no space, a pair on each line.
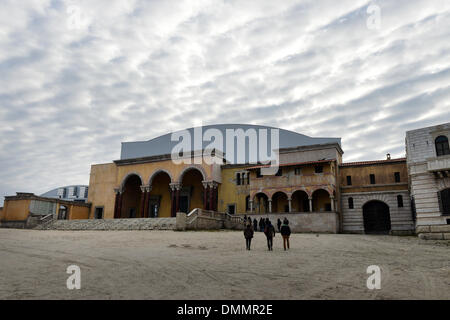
163,145
71,193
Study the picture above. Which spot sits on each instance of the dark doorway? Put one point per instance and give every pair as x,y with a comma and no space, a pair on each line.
184,204
98,213
377,219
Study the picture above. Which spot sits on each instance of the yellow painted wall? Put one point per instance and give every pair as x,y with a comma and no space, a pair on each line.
78,212
160,187
230,193
384,175
16,210
101,189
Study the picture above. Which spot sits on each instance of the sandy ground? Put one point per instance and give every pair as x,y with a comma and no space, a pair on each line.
215,265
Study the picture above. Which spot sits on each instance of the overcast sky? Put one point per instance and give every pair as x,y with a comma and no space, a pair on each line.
79,77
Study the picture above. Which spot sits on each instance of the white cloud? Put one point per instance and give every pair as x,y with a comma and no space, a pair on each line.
138,69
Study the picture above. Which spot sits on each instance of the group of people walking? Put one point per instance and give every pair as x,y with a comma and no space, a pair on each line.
265,225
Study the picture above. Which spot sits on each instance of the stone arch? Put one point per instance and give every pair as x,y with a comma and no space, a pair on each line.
158,171
376,217
321,200
300,200
192,167
254,194
280,202
129,175
374,197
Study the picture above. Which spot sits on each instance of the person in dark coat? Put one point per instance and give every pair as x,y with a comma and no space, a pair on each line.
279,224
285,233
269,231
261,225
255,225
248,235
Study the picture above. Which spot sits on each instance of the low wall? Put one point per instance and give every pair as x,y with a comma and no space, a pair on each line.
200,220
434,232
18,224
316,222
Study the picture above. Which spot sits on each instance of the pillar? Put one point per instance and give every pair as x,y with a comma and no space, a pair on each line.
116,204
205,196
147,200
211,195
332,203
290,204
251,205
310,204
270,205
143,196
175,187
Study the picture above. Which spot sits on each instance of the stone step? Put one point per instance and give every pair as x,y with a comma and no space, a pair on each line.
111,224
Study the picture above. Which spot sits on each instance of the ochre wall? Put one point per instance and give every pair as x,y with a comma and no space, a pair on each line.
160,187
16,210
78,212
102,182
384,177
230,193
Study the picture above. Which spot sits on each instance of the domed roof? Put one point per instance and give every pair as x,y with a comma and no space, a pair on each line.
163,145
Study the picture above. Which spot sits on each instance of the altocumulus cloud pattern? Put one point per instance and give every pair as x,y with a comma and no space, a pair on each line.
79,77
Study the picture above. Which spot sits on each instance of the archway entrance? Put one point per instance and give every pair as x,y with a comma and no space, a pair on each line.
321,200
131,197
63,213
280,202
300,201
261,203
191,193
377,219
160,198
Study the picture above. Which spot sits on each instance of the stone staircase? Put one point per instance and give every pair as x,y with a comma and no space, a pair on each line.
110,224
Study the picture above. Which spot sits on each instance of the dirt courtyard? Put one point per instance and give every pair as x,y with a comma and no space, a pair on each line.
215,265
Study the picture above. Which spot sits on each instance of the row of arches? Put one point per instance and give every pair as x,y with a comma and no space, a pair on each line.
162,197
299,201
167,173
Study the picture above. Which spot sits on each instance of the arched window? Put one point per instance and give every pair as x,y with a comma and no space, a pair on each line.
442,147
238,179
350,203
399,201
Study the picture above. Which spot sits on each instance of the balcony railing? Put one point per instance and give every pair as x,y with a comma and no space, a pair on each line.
437,164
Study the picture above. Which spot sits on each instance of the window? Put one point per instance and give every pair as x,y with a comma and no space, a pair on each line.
349,180
372,179
319,169
258,173
231,209
248,177
279,172
238,179
399,201
442,147
397,176
444,201
298,171
350,203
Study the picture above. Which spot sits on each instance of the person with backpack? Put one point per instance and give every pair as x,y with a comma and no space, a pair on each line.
279,224
285,233
248,235
269,231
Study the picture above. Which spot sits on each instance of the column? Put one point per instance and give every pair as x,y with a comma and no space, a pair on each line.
251,205
119,206
270,205
147,200
172,202
205,195
211,194
175,187
290,204
332,203
116,203
310,205
216,197
143,196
